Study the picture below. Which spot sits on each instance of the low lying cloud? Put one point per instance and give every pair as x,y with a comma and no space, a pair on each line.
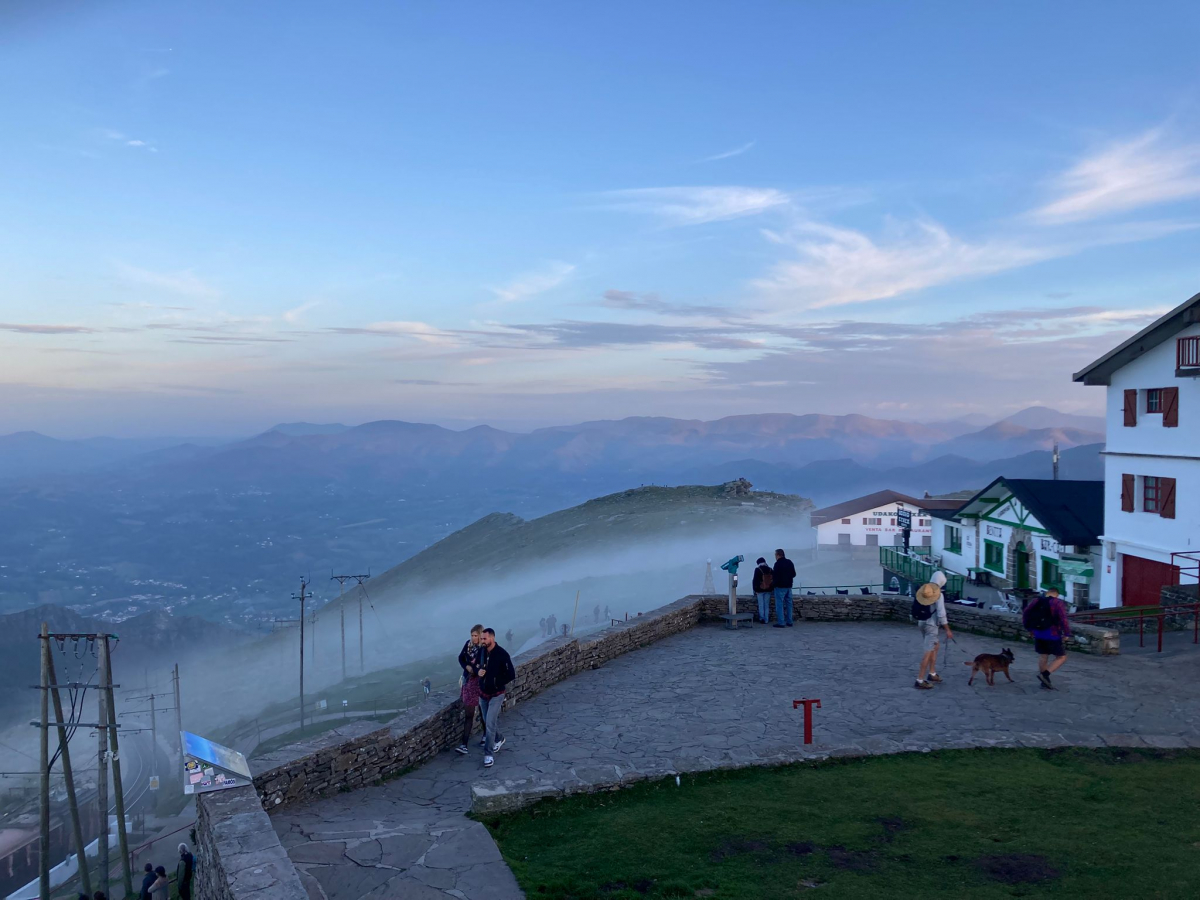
696,205
530,284
185,283
24,328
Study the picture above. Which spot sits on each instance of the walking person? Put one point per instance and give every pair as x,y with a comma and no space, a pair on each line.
782,578
929,611
496,672
184,870
552,625
161,887
763,584
1046,619
468,659
596,613
147,880
607,612
426,686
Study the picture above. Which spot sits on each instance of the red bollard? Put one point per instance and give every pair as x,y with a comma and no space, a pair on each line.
808,707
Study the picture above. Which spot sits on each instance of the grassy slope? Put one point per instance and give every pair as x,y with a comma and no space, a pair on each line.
949,824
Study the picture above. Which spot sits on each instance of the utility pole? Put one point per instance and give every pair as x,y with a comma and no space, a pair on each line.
154,711
103,723
341,580
44,799
1054,458
122,836
178,704
68,776
302,596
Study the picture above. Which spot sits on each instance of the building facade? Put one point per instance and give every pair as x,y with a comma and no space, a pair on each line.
1027,534
874,520
1151,458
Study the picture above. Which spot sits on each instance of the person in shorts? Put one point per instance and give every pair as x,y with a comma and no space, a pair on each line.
1046,619
929,610
468,658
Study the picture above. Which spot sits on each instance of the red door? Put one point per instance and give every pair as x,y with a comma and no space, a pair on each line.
1142,580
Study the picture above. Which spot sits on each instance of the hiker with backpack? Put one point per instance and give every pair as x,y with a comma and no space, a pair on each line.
1046,619
763,584
929,612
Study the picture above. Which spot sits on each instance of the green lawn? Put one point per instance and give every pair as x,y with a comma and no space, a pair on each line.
971,824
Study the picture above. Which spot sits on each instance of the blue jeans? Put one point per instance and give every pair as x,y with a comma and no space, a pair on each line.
489,708
764,605
783,606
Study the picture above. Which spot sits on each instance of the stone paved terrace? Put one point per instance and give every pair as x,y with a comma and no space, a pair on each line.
713,695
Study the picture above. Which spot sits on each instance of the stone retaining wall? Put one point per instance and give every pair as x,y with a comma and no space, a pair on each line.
240,854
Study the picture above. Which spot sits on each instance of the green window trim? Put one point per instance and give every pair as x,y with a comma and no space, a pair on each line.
952,539
1052,577
995,548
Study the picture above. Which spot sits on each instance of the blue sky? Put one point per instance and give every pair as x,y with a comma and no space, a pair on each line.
218,216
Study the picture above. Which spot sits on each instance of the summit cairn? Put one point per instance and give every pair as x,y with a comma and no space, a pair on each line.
739,488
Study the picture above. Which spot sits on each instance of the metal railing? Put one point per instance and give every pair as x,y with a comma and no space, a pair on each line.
916,569
1122,614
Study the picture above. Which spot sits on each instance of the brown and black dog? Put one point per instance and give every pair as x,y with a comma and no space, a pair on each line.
990,664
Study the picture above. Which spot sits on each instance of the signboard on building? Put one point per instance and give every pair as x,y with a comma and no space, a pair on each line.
904,518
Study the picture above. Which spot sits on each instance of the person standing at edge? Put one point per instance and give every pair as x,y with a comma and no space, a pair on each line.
929,610
468,658
184,870
1046,618
782,577
763,587
496,672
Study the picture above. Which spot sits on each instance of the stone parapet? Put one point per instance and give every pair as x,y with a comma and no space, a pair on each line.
238,854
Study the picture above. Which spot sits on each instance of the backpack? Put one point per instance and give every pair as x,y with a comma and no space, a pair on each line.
921,613
1039,617
766,579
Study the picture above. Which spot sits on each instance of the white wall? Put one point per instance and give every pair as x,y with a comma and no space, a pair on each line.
827,532
958,563
1155,369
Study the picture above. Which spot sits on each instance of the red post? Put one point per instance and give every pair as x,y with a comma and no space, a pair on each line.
808,707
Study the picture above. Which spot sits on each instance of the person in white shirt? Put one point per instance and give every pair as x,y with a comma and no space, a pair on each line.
929,611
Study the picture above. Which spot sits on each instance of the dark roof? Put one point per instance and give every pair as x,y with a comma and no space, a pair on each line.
1100,372
1072,511
881,498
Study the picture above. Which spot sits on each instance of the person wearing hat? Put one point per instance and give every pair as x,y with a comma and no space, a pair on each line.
929,609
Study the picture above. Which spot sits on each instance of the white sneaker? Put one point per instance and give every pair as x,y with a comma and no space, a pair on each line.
488,762
499,744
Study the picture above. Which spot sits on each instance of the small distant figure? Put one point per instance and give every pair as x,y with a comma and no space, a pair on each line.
551,625
782,578
596,614
185,869
161,886
147,880
508,637
426,686
763,583
1046,619
542,623
607,614
566,628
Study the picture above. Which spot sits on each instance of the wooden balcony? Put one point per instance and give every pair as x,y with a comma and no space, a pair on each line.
1187,357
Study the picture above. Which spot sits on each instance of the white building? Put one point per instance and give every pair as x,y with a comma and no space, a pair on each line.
1027,534
1151,458
873,520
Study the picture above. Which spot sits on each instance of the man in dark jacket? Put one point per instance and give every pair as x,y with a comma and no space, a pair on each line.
184,870
148,879
763,584
784,575
496,672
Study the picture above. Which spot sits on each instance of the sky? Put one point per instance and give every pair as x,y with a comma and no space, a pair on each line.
219,216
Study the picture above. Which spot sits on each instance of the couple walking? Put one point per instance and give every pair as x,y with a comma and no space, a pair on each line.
487,672
775,581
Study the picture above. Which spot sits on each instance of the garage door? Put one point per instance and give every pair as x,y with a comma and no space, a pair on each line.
1142,580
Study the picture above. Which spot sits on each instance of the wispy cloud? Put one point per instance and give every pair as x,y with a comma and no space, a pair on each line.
1148,170
186,283
696,205
292,316
21,328
736,151
530,284
118,137
646,302
420,331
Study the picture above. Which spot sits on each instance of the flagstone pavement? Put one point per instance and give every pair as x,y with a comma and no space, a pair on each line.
711,695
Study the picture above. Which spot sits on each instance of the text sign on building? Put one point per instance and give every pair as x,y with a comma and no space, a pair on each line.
904,518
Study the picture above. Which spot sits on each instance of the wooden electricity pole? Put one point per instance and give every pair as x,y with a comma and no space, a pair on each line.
104,725
341,580
65,753
302,596
44,798
122,836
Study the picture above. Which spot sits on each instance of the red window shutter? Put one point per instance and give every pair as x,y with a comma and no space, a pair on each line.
1127,493
1166,503
1170,405
1130,408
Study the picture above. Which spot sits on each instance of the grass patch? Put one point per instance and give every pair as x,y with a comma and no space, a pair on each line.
970,823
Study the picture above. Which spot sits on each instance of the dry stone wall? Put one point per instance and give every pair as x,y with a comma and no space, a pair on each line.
241,857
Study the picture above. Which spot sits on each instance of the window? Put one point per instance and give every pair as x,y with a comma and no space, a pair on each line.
1051,578
993,556
845,521
923,523
1154,400
868,520
953,539
1150,494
